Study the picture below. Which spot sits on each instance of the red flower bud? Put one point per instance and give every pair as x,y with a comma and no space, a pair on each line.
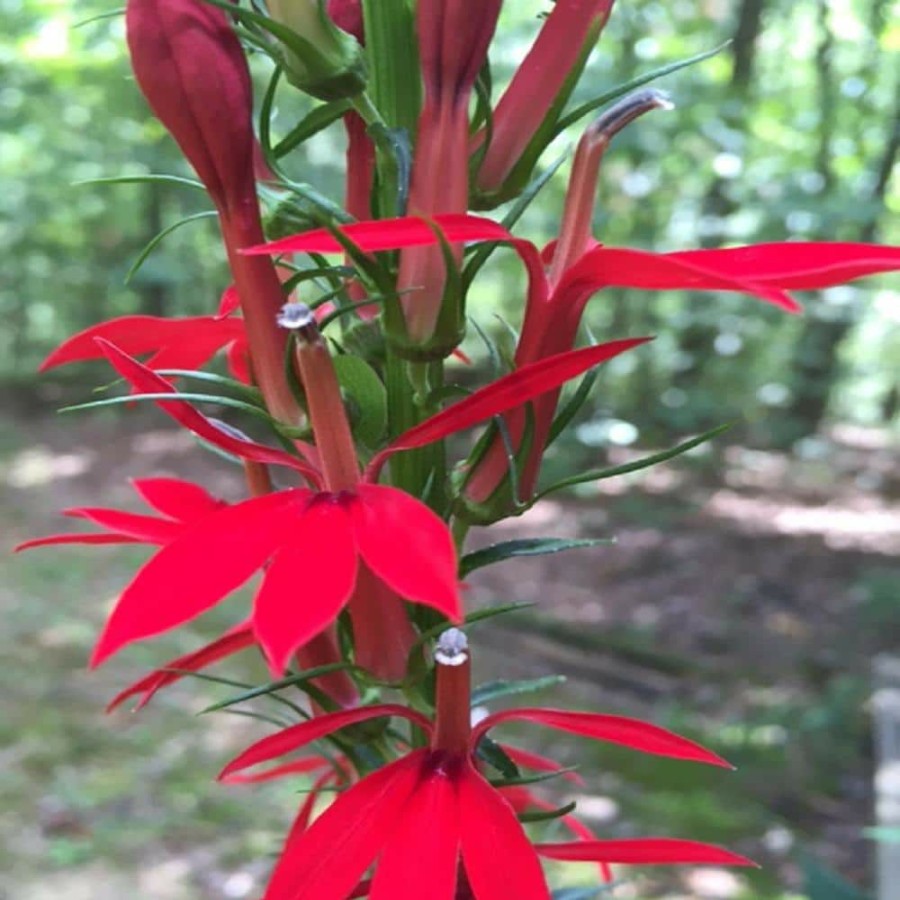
191,68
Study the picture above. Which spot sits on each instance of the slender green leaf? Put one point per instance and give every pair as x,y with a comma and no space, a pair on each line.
532,779
636,465
493,690
572,406
580,111
188,397
144,179
496,757
546,815
312,123
488,556
156,241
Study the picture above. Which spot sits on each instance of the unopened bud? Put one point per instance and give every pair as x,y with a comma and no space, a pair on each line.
320,58
612,121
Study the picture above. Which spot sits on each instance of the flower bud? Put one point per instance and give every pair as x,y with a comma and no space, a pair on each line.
319,58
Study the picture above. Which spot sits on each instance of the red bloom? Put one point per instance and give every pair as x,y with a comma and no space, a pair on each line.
185,343
422,815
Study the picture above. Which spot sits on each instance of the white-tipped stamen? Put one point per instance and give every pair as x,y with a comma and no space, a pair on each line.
299,318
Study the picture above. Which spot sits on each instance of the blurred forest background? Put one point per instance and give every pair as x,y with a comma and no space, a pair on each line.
751,585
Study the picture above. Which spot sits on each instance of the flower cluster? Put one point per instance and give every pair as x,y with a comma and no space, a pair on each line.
356,515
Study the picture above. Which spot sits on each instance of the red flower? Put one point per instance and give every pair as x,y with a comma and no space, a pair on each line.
180,503
424,814
185,343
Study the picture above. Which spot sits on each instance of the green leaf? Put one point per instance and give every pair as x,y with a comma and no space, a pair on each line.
230,682
485,249
156,241
493,690
367,395
531,779
144,179
312,123
573,405
635,465
99,17
477,616
546,815
272,687
620,91
487,556
262,717
252,394
178,395
496,757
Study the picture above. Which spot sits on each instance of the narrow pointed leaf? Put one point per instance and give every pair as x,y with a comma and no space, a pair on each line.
509,392
300,735
493,690
635,465
488,556
632,733
644,851
526,759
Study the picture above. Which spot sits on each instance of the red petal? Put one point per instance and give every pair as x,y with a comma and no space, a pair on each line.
528,760
297,767
499,859
197,570
188,342
644,851
229,302
506,393
178,499
798,266
238,638
424,847
327,861
389,234
631,733
407,546
238,358
298,736
147,529
145,380
308,583
626,267
52,539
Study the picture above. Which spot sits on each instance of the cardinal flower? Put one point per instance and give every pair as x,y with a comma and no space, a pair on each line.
433,818
574,268
173,343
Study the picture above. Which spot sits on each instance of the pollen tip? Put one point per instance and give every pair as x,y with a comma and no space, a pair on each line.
295,316
452,648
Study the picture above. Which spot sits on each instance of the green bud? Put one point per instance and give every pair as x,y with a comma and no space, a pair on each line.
319,58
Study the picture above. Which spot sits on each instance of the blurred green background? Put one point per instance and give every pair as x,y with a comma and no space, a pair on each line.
750,587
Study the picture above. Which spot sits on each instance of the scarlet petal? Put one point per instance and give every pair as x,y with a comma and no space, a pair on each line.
308,583
424,847
238,638
496,852
53,539
631,733
800,265
178,499
506,393
528,760
408,547
229,302
626,267
196,570
147,529
298,736
644,851
297,767
145,380
327,861
389,234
